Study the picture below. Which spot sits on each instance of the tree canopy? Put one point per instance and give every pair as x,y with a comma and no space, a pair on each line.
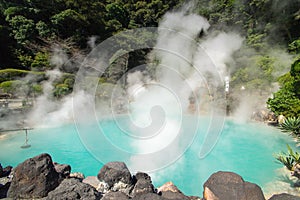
29,28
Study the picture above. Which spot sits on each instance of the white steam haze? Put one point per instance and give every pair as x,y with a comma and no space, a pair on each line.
44,104
183,61
189,65
192,63
48,112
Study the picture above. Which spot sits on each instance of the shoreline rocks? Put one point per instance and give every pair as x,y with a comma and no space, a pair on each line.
34,178
114,176
40,178
231,186
72,188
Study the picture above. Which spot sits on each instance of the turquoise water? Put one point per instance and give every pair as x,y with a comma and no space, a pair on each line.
246,149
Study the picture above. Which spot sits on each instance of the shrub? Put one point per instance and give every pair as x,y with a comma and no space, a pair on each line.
289,159
14,87
36,89
291,125
61,90
41,62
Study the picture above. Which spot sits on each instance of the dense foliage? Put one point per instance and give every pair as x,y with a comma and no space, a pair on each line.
29,29
286,101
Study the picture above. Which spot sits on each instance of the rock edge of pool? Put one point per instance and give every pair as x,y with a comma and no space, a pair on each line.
41,178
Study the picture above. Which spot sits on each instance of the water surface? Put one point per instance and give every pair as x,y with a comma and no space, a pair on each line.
243,148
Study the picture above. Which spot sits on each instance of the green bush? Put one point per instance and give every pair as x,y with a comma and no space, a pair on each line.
289,159
41,62
61,90
36,89
69,82
9,86
291,125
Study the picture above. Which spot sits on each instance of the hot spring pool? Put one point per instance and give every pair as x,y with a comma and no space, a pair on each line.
246,149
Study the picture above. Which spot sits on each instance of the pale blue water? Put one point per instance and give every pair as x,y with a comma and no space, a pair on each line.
246,149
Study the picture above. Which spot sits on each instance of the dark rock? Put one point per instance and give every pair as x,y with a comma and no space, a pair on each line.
1,171
4,186
230,186
6,171
34,178
143,184
148,196
63,170
142,175
3,190
72,188
284,196
115,176
115,196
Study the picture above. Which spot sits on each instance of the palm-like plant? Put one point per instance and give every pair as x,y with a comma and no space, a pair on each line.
289,159
291,125
286,160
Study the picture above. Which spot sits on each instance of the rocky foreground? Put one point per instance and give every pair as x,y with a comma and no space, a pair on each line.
40,178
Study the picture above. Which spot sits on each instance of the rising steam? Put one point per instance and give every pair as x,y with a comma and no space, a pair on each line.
191,64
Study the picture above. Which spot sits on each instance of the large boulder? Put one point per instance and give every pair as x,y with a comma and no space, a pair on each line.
115,196
72,188
284,196
34,178
143,184
230,186
114,176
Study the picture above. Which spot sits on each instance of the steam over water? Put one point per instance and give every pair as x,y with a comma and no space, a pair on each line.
166,117
245,149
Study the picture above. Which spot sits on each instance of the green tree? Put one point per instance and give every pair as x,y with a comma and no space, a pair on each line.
22,28
69,23
286,101
295,73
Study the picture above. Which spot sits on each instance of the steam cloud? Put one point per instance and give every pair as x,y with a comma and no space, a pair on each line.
191,63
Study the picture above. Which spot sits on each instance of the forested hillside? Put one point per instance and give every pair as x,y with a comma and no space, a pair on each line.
29,29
